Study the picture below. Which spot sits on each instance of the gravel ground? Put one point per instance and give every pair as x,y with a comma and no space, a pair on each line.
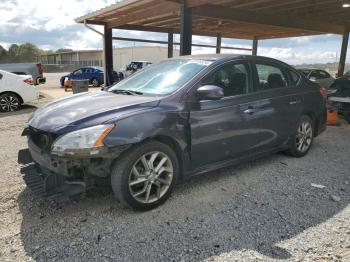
266,210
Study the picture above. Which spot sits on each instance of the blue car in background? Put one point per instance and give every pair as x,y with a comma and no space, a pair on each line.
93,73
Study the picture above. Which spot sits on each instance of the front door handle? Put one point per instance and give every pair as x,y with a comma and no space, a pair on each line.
249,111
294,102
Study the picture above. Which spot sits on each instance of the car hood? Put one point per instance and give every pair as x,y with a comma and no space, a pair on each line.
87,109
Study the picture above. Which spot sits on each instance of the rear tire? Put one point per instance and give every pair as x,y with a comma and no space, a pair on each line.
302,139
95,82
9,102
144,177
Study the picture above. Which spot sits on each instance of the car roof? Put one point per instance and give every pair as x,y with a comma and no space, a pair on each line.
227,57
94,67
141,61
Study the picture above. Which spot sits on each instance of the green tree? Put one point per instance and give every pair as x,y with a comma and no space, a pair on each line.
13,53
3,55
28,53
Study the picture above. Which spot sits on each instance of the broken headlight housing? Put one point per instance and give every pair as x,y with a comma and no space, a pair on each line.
87,141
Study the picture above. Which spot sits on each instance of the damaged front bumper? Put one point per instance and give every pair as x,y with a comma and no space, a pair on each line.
57,177
45,183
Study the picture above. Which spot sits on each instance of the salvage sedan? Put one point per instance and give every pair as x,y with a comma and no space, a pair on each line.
175,119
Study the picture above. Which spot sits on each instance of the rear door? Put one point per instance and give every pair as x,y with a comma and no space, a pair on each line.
233,126
281,101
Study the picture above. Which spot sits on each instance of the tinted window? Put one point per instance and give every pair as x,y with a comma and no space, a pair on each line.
89,70
294,77
270,77
233,78
342,87
318,74
323,74
304,72
78,72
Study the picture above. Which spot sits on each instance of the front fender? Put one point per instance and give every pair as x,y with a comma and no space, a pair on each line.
139,127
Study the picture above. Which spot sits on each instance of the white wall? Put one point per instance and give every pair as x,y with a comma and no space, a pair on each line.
123,56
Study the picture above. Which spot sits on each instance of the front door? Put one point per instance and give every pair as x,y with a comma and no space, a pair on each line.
233,126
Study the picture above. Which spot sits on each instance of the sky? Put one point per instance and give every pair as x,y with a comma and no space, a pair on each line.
50,25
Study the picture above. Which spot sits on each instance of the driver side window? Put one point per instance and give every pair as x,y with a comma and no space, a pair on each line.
232,78
78,72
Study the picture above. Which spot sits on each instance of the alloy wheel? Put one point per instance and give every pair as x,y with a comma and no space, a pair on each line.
151,177
304,136
9,103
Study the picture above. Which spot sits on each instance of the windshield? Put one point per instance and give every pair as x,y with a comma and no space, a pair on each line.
163,78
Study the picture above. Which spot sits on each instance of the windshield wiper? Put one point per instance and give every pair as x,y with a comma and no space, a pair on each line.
126,92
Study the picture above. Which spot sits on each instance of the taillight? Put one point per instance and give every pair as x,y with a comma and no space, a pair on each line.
29,81
40,68
324,90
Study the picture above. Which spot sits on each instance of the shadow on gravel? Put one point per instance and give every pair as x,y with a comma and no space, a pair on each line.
254,206
25,109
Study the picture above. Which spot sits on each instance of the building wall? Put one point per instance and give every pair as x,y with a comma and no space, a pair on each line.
121,56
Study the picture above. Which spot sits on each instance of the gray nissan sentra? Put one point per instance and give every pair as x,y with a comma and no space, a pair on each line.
169,121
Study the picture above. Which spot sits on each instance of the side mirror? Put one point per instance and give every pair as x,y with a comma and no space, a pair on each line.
210,92
313,79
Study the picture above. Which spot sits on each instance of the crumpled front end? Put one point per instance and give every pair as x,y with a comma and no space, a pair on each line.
61,177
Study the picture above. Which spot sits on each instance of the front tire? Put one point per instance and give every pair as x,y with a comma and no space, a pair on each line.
144,177
303,137
9,102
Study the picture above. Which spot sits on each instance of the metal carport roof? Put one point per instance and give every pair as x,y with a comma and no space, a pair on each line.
244,19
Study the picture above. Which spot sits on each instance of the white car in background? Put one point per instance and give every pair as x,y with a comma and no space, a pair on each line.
16,90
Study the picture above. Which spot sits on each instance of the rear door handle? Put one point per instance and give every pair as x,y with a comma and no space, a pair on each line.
294,102
249,111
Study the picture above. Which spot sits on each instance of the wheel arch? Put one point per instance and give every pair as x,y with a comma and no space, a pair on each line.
315,120
11,92
173,144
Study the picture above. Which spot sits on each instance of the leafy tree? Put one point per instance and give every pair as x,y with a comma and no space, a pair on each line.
13,52
27,53
3,55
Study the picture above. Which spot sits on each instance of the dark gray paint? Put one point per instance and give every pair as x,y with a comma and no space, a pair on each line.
206,134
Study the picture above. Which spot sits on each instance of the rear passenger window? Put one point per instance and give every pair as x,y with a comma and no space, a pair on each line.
294,77
232,78
270,77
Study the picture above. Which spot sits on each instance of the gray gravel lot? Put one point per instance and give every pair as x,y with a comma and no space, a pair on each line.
266,210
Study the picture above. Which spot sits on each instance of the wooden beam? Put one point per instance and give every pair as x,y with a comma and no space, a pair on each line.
229,14
176,43
161,10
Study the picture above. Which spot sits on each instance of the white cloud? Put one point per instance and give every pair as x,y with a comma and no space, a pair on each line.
50,25
301,56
